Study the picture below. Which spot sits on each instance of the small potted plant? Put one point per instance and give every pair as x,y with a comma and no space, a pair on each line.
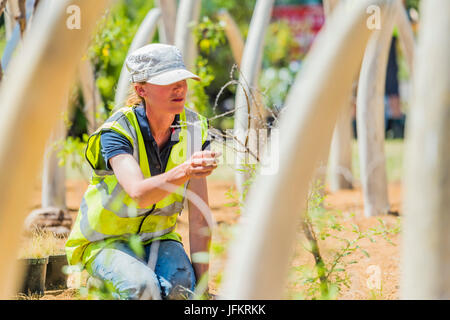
43,257
34,259
56,278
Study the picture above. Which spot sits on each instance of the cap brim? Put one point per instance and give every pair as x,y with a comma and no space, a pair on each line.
172,76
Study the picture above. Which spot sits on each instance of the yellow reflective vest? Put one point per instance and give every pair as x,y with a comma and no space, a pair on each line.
107,213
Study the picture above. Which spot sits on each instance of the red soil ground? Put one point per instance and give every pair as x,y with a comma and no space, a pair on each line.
382,255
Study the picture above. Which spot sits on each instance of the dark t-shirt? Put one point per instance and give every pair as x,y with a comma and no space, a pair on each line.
113,143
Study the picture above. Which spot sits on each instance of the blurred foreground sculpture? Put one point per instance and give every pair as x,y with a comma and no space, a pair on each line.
370,116
259,257
426,240
245,103
48,57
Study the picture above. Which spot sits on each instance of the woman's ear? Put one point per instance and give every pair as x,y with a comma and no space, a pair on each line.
140,90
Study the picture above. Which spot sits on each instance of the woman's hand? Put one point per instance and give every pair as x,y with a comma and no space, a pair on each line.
201,164
151,190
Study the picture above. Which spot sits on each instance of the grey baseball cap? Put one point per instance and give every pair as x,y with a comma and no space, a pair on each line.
159,64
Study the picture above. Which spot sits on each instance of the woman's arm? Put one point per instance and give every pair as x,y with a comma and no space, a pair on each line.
151,190
199,231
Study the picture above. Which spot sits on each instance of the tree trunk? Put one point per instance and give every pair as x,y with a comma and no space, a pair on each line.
370,117
39,76
259,256
426,238
244,103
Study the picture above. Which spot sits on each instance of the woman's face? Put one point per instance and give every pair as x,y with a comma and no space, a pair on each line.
168,99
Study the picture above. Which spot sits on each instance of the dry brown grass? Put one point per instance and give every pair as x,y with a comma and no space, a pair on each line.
41,244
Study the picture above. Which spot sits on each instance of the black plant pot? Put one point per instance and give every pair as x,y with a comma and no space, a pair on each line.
55,278
34,275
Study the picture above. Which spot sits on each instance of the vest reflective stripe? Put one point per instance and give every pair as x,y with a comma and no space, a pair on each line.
114,202
169,210
145,236
124,211
116,115
101,173
92,235
122,120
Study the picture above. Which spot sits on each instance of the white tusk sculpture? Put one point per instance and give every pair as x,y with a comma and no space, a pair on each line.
12,10
167,24
143,36
370,116
426,236
187,14
260,254
244,103
340,153
340,161
91,94
236,43
329,6
14,34
31,101
53,175
406,35
233,35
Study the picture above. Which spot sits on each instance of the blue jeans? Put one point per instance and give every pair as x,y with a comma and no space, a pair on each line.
164,272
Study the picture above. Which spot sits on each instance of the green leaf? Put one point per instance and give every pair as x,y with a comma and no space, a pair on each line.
365,253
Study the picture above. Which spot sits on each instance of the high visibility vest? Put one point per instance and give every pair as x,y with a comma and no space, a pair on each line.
107,213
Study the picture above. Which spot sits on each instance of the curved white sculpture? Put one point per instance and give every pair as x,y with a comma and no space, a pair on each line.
260,254
233,35
426,236
15,34
91,94
340,153
329,6
48,57
167,26
143,36
370,116
406,34
188,12
244,103
340,160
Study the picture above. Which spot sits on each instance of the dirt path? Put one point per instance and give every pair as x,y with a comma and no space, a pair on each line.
383,256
